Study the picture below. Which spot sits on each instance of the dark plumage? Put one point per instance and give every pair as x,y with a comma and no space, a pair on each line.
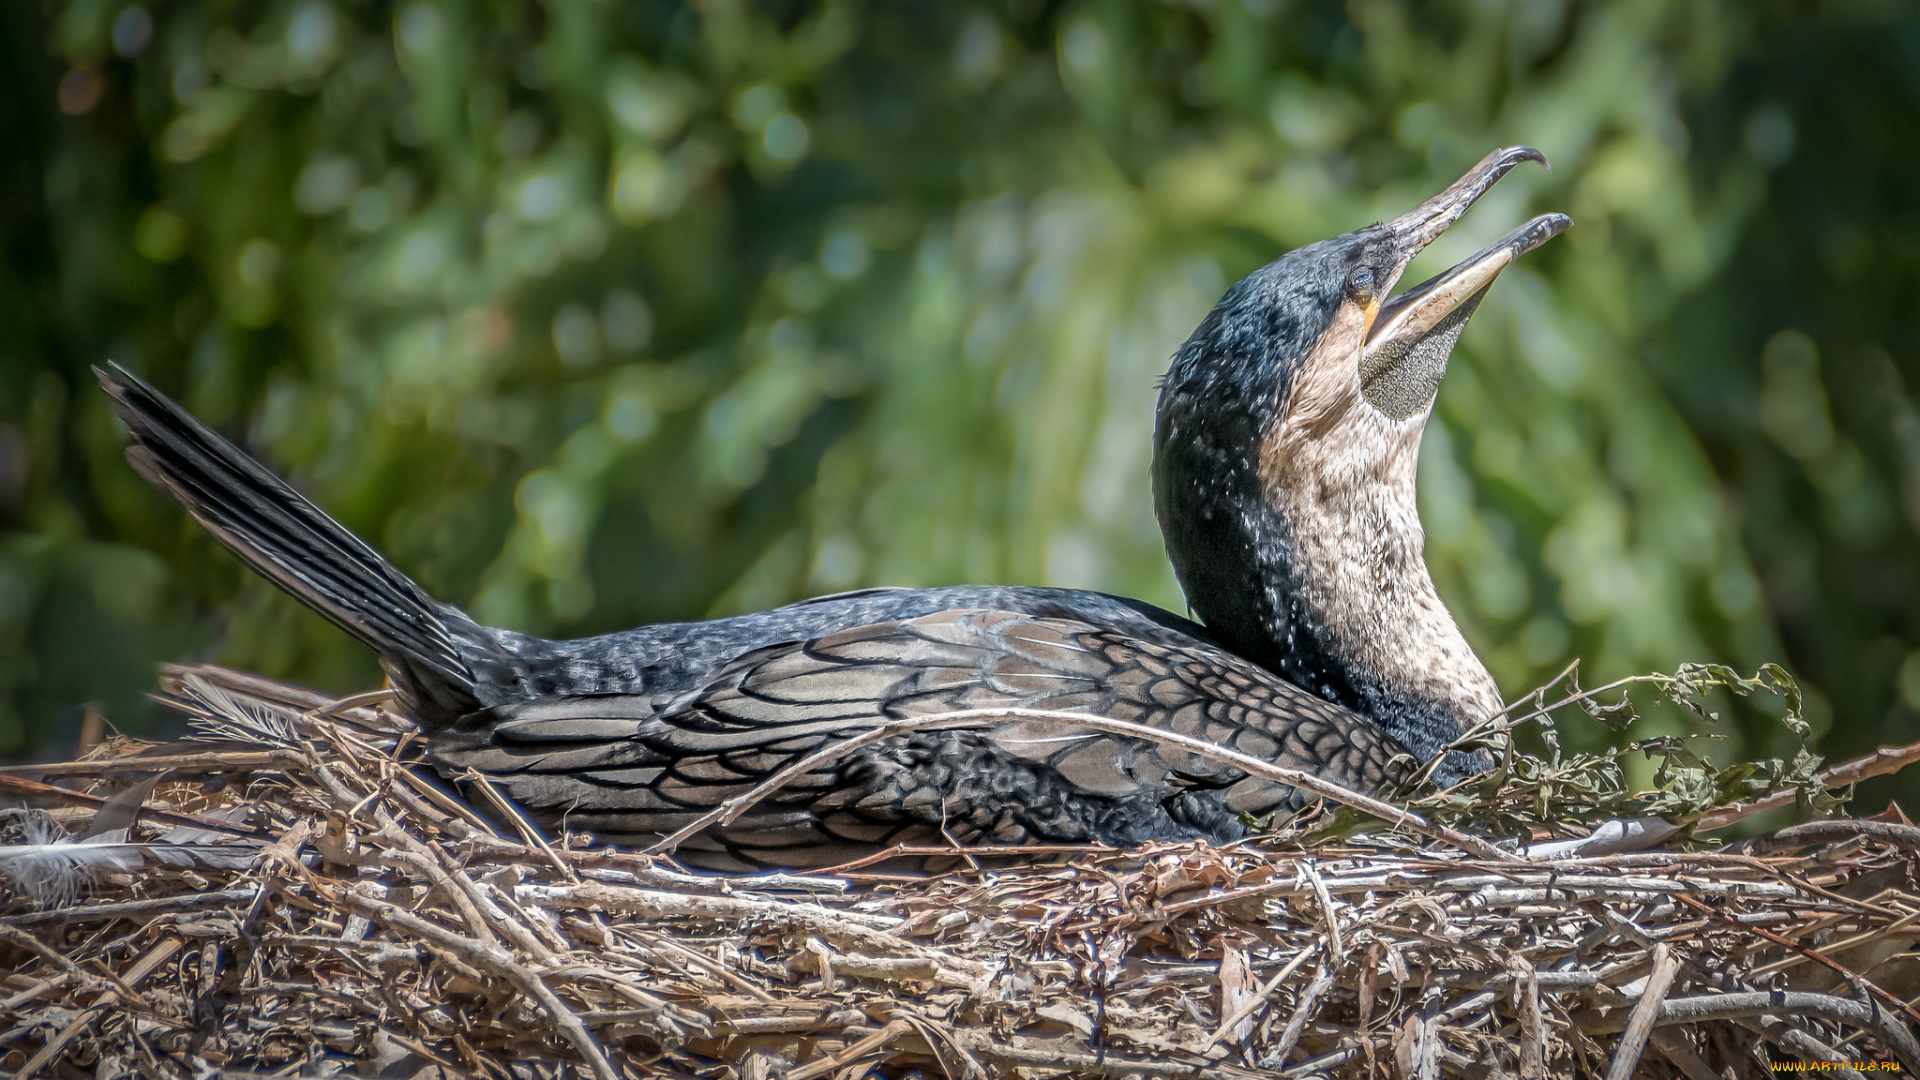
1284,459
631,766
636,733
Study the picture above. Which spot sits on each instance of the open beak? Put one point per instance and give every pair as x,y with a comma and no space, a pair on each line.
1411,335
1414,314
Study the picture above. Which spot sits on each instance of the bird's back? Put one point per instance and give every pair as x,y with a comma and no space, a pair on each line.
994,753
674,657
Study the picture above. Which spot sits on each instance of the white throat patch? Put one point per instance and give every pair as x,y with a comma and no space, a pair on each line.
1342,472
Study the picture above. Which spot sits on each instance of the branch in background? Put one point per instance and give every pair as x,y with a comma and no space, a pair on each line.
1886,760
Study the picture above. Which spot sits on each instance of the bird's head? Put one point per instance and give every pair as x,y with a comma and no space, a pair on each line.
1285,454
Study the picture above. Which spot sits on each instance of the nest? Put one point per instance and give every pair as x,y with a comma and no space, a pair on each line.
295,896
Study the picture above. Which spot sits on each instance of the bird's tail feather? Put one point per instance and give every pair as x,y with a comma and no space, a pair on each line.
287,539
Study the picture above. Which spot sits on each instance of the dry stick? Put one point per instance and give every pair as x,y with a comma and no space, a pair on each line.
127,908
135,974
851,1054
501,904
1321,1066
35,990
1837,947
1800,1043
1626,1058
1304,1010
1320,893
514,814
871,932
458,888
1070,1055
1887,759
1256,1000
834,923
458,808
232,681
35,789
1683,1056
1806,885
1755,1003
662,1016
1795,1041
24,940
210,761
499,960
424,811
730,810
1829,831
707,963
1853,978
455,886
339,708
1531,1019
935,1033
643,869
480,915
963,849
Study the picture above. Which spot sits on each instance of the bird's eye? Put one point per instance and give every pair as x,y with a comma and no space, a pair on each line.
1360,282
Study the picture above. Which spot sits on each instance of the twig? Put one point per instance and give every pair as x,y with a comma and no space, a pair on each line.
133,977
426,789
1582,695
35,789
1255,1001
1626,1057
41,949
1829,831
868,931
505,809
1304,1011
1887,759
166,905
1539,693
706,963
1337,950
1852,977
210,760
1757,1003
853,1053
1837,947
1071,1055
1684,1057
1799,1042
35,990
405,851
499,960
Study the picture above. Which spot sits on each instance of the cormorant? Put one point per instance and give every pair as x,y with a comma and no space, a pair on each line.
1283,480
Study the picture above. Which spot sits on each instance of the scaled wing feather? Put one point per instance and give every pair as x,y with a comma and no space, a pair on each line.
633,768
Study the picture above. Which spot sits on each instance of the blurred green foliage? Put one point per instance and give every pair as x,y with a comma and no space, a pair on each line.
597,312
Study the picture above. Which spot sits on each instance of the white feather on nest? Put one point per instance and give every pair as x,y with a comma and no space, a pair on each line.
52,868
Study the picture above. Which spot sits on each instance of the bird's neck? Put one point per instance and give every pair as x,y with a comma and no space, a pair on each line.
1312,562
1361,601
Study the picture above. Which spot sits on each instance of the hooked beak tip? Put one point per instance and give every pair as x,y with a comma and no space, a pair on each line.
1423,224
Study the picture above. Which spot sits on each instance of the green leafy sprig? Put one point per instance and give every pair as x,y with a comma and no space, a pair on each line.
1525,793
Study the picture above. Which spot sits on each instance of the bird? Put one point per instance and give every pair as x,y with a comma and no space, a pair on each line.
1283,481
